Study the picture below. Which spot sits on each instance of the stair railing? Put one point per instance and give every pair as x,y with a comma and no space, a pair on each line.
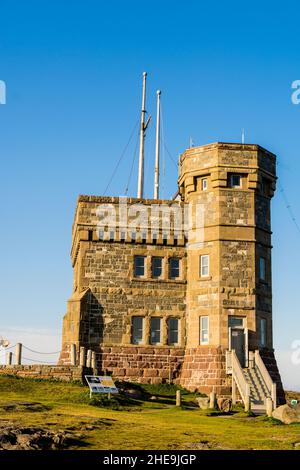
240,380
270,385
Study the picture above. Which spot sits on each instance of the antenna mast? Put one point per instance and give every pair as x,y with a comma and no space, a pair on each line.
140,192
157,148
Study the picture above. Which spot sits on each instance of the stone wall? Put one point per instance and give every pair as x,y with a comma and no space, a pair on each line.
204,370
142,364
65,373
107,295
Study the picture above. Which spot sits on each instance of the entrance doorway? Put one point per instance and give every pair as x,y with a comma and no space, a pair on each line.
238,344
238,338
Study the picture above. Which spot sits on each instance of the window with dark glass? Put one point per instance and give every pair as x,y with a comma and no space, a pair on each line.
262,268
266,187
235,322
137,330
235,181
139,266
174,268
155,330
156,266
263,332
173,324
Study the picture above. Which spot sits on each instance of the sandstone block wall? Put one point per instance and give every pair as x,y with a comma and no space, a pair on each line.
65,373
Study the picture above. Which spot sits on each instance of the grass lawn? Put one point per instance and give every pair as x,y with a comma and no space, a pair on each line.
138,424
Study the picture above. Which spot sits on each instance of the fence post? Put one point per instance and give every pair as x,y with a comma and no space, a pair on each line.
269,406
94,360
212,400
73,354
9,358
89,358
233,391
178,398
82,356
247,399
18,354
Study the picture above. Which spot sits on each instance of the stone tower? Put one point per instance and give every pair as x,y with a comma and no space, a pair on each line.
157,308
229,283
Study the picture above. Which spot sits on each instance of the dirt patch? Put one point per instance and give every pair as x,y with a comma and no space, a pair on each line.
24,406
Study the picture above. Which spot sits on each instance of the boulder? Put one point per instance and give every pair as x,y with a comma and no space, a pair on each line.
287,414
203,402
225,404
134,393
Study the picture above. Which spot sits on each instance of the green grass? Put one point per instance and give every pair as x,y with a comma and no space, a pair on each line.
138,424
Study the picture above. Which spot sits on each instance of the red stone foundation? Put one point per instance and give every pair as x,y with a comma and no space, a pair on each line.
142,364
204,370
270,362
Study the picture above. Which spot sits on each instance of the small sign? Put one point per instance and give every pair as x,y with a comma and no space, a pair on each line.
294,402
101,384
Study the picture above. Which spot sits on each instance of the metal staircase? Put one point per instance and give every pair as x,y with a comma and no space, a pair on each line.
253,383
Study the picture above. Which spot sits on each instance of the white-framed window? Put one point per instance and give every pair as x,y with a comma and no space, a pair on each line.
262,268
155,330
157,266
139,266
263,332
173,330
204,329
235,181
174,268
204,184
137,330
204,265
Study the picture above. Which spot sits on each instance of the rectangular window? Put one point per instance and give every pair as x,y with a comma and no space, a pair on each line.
263,332
139,266
155,329
204,330
236,322
137,330
174,268
262,268
156,266
235,181
204,265
204,184
266,187
173,330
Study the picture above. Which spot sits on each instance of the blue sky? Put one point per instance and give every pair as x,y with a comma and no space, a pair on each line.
73,75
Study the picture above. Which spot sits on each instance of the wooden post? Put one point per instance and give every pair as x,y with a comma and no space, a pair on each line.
82,356
247,399
73,354
269,407
89,358
233,391
18,354
212,400
9,358
94,360
178,398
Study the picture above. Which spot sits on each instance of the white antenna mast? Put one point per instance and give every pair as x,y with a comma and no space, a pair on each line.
157,148
243,136
140,192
